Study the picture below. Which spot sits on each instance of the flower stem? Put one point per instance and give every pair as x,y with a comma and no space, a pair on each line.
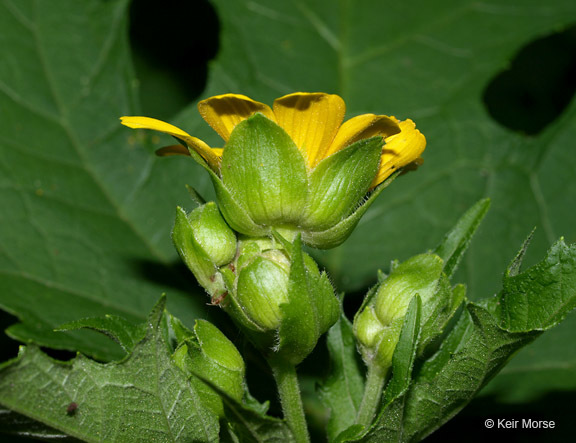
289,390
372,394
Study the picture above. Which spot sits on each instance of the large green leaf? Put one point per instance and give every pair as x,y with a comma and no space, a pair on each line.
85,226
145,397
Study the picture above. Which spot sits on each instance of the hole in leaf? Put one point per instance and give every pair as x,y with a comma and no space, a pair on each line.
59,354
8,347
172,44
538,85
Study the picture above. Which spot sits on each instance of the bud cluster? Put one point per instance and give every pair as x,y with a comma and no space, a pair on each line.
378,323
264,283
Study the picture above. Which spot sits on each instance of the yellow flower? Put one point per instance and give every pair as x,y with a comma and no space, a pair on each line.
295,167
312,120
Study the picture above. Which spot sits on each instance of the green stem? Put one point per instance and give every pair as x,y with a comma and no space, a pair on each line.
289,390
372,394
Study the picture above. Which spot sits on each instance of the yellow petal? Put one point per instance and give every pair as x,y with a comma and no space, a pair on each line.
224,112
198,145
400,150
361,127
311,120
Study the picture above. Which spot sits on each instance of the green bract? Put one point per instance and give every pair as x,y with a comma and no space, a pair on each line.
378,323
261,288
264,171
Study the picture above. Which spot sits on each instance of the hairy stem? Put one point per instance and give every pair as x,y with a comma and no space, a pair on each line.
372,394
289,390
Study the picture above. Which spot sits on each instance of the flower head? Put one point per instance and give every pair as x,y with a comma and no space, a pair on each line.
295,167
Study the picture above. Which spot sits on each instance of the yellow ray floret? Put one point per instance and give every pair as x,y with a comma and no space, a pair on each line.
362,127
400,150
311,120
224,112
212,156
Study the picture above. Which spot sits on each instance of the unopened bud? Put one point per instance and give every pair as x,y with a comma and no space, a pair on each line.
205,242
280,298
378,324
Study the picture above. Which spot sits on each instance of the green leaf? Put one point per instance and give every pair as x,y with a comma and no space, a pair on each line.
475,350
421,67
88,207
471,355
90,400
487,336
439,310
514,267
248,425
342,391
340,181
542,296
456,242
85,233
125,333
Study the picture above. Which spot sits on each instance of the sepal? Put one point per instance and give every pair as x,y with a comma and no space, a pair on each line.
213,234
311,310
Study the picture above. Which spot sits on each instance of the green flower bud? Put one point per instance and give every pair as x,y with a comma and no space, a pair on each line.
213,234
378,324
205,243
265,182
279,297
262,287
